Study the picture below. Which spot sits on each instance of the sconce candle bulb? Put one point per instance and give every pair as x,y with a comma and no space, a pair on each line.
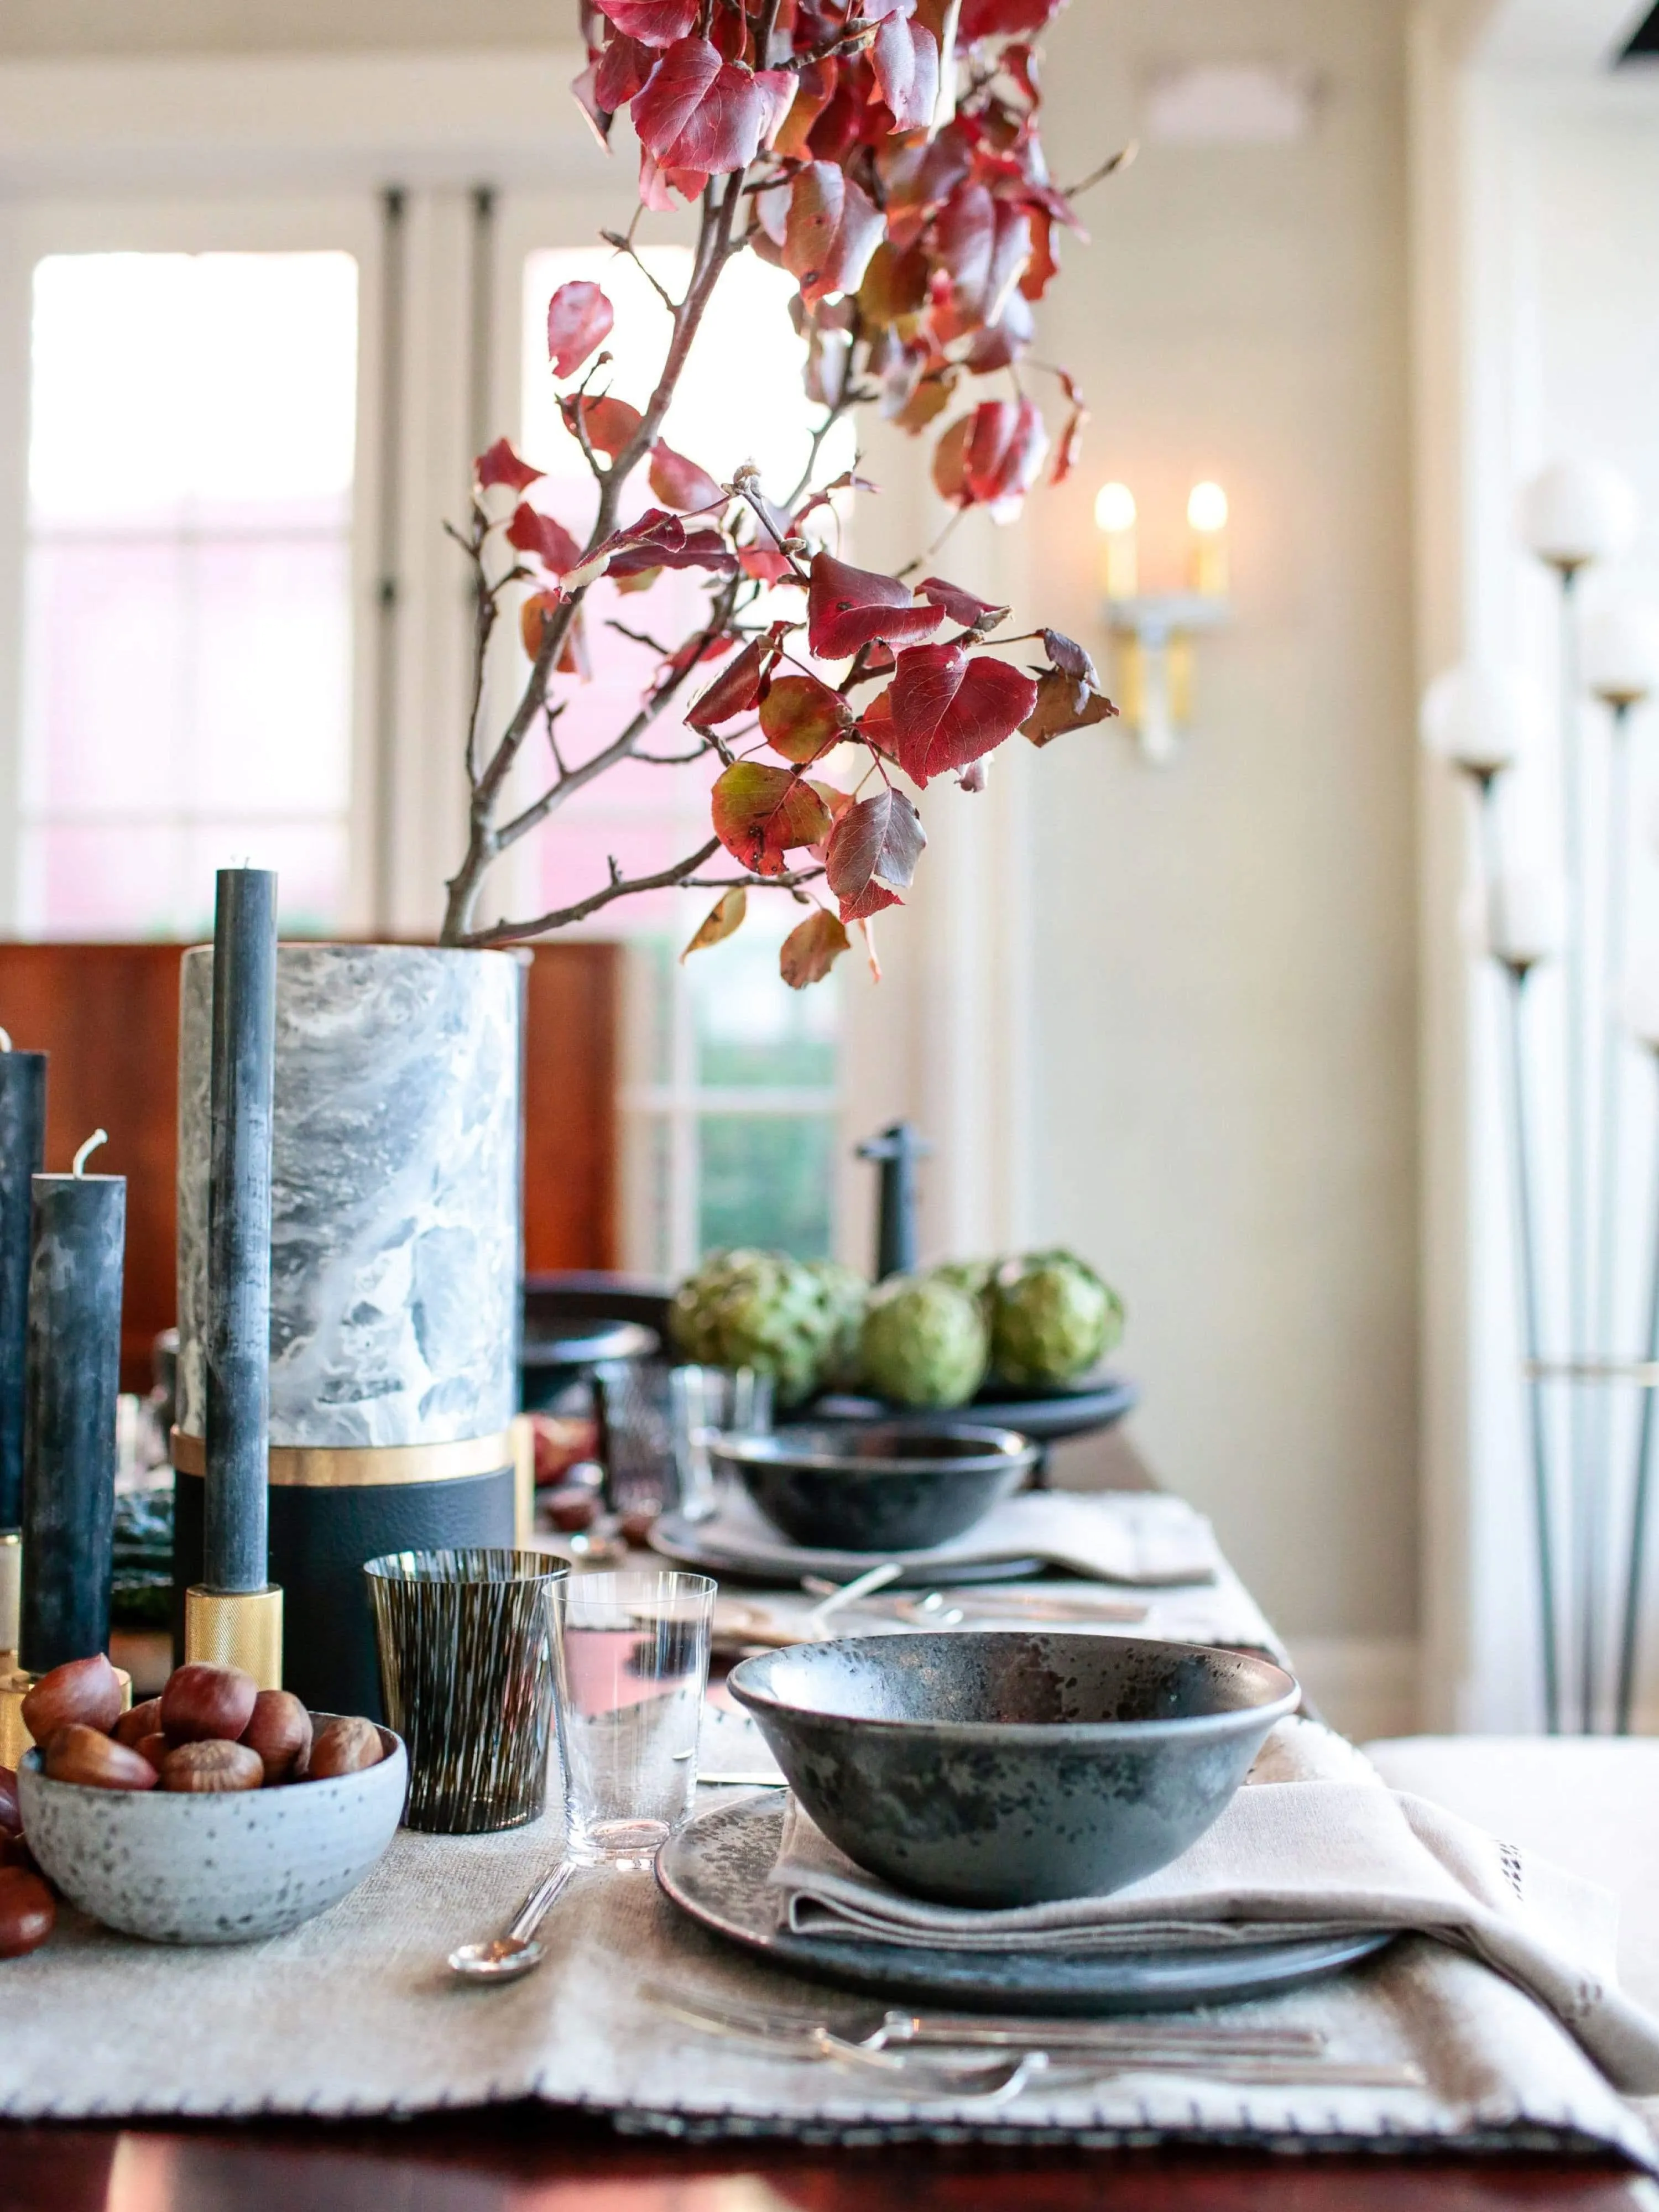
1115,518
1206,516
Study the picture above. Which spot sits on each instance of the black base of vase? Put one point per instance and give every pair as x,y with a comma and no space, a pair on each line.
320,1540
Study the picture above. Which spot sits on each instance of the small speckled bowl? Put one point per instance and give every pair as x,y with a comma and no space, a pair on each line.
215,1869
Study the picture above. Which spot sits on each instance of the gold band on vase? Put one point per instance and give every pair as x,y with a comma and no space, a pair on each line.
364,1467
237,1628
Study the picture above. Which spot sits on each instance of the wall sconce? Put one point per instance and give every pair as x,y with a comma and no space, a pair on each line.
1152,632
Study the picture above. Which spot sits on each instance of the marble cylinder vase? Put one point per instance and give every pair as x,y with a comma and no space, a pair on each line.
395,1272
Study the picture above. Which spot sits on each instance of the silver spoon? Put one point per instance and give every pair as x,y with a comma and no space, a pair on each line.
506,1957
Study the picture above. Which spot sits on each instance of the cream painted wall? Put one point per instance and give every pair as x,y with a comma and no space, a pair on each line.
1223,950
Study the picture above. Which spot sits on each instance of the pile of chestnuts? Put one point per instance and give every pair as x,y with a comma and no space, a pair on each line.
211,1729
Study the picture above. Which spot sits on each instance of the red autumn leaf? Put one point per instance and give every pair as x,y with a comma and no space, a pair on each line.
905,60
1004,19
764,563
532,615
894,286
657,540
777,89
579,318
991,457
695,649
1069,451
610,424
984,244
949,707
1064,702
725,916
620,72
735,691
811,949
501,465
655,22
815,88
803,718
847,607
833,228
679,483
549,541
873,849
699,113
760,813
1070,657
965,607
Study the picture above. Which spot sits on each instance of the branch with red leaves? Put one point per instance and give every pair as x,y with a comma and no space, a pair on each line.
886,154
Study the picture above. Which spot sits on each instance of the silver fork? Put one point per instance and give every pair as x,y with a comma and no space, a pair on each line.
1265,2057
990,2082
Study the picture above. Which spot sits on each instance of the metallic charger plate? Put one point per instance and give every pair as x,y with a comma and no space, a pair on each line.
780,1563
715,1871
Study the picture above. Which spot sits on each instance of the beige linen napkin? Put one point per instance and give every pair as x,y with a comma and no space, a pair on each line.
1146,1539
1292,1856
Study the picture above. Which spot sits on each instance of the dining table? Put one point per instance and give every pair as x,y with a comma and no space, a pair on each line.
516,2155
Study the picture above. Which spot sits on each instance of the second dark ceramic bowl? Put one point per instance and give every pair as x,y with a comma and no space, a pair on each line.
1001,1769
876,1486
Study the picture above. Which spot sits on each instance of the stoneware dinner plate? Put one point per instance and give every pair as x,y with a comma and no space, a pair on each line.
777,1562
715,1871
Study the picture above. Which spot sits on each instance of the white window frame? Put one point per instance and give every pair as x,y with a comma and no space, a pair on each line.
290,223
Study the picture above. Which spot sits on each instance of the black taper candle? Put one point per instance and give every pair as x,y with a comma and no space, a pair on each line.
898,1245
71,1377
235,1552
22,1151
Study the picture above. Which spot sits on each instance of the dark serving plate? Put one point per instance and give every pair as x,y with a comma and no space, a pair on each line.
997,1768
1047,1415
876,1486
715,1870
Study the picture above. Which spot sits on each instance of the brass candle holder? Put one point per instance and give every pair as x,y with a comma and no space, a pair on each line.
237,1628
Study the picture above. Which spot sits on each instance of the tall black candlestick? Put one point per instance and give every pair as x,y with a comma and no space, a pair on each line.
22,1149
235,1555
897,1149
72,1374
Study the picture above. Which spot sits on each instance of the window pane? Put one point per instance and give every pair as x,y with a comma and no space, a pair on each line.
751,1029
766,1180
187,680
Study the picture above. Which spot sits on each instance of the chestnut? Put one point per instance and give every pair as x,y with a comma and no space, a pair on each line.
14,1852
86,1693
27,1912
202,1702
142,1720
85,1755
210,1764
280,1731
153,1748
11,1820
346,1746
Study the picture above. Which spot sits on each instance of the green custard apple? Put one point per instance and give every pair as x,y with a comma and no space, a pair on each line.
1052,1317
925,1341
846,1293
786,1318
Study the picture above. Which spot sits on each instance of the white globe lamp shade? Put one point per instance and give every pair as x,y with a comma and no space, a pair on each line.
1482,716
1618,654
1576,512
1526,917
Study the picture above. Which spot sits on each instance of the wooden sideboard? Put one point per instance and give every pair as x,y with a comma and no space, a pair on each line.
108,1015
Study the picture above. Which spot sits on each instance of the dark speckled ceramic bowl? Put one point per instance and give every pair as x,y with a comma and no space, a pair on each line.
877,1486
1003,1769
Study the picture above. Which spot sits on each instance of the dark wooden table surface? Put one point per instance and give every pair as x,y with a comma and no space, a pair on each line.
524,2158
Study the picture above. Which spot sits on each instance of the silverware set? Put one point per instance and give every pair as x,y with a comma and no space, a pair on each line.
989,2060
